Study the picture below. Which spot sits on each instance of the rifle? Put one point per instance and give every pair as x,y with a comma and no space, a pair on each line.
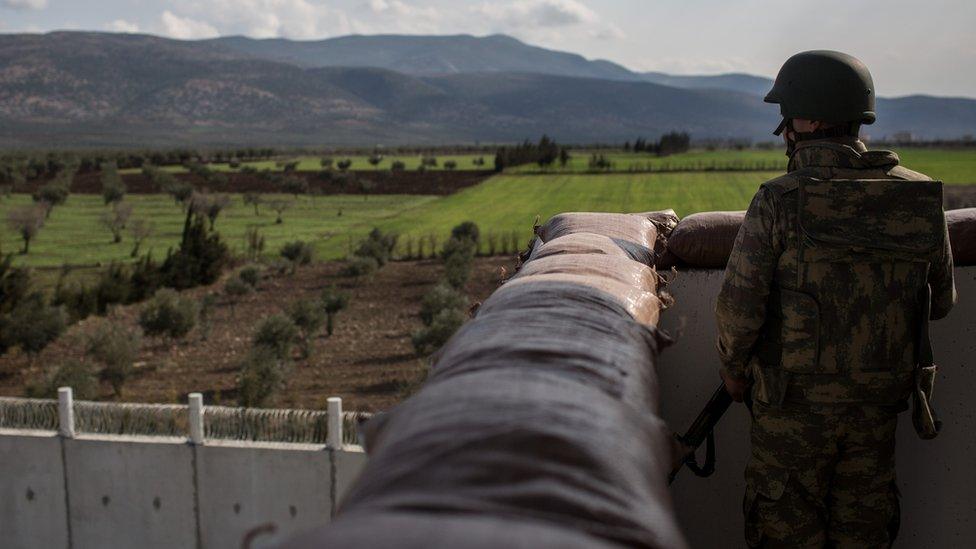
702,431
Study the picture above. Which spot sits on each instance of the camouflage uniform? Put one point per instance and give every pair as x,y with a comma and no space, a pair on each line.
826,328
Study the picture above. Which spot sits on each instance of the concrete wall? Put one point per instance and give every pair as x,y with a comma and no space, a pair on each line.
937,478
109,491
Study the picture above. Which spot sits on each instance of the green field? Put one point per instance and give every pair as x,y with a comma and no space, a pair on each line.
503,204
75,235
512,202
953,166
359,162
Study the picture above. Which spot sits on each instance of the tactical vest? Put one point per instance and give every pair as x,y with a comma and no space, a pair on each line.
846,329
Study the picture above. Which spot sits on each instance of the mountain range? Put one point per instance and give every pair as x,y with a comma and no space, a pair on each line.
83,89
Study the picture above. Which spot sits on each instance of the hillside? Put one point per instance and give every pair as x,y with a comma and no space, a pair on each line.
426,55
73,89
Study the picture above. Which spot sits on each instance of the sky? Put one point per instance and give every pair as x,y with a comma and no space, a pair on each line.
910,46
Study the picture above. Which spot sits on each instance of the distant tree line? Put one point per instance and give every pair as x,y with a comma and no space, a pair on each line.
669,143
544,153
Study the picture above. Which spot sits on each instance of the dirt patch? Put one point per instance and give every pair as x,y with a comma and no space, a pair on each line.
439,182
369,361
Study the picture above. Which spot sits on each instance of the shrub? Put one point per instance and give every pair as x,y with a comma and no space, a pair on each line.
440,298
236,287
115,347
31,325
450,165
78,375
377,245
251,275
168,313
298,253
443,326
278,333
114,287
79,301
326,162
468,230
308,317
360,266
398,166
344,164
332,303
14,284
263,373
458,255
145,279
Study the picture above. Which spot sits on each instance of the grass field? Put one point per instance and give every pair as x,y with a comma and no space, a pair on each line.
74,234
360,162
502,204
953,166
512,202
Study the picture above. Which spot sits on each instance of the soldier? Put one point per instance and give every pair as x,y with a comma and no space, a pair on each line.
825,298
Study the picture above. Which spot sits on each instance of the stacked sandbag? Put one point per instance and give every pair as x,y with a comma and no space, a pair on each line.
962,235
702,240
538,426
639,235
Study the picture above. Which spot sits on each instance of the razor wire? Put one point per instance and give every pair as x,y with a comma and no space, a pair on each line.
172,420
28,413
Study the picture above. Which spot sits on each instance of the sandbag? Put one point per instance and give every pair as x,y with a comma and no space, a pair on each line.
962,235
628,230
705,240
621,269
589,243
642,305
536,428
664,220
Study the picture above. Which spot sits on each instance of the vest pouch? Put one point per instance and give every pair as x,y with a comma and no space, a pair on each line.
800,332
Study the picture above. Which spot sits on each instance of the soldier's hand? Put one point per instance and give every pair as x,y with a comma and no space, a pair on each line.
736,386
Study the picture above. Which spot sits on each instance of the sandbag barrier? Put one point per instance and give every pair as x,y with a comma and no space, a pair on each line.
538,425
705,240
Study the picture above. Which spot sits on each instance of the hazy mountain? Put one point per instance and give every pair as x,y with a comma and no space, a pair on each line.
740,82
427,55
93,89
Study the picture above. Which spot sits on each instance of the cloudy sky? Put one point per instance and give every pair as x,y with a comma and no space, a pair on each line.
910,46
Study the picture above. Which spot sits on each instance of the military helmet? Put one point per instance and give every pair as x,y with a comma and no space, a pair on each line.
824,85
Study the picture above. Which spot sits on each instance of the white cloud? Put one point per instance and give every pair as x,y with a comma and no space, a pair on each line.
121,25
24,4
296,19
184,28
401,16
538,13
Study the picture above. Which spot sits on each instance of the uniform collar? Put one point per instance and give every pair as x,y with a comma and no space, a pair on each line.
841,152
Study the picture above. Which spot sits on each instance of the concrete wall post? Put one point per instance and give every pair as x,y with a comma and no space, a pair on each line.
195,418
334,440
66,413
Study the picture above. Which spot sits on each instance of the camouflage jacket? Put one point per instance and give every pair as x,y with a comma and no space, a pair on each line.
810,326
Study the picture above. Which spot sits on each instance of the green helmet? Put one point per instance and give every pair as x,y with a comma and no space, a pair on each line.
824,85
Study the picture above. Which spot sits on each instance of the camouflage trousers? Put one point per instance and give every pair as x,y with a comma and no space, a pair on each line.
821,478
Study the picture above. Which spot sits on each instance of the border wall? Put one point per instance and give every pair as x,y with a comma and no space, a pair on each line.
65,488
937,478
